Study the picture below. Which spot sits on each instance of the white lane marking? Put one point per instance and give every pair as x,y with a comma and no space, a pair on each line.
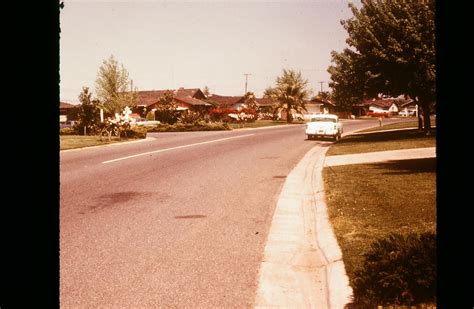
178,147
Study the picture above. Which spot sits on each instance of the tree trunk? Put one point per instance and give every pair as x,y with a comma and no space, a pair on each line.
289,115
426,117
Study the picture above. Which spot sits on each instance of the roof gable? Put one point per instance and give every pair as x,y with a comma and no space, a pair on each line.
66,105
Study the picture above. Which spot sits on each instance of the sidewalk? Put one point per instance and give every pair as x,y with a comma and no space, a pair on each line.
302,264
381,156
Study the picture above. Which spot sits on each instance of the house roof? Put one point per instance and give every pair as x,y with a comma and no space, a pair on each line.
387,102
192,101
320,101
383,103
66,105
225,100
151,97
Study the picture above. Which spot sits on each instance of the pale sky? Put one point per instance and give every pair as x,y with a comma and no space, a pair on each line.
192,44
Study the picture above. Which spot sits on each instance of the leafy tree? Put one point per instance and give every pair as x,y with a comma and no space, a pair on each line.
88,112
268,92
348,79
111,87
250,101
290,93
393,51
166,109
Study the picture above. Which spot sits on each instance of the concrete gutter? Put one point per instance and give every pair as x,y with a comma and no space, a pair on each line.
302,264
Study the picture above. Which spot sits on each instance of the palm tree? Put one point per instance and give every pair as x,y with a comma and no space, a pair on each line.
290,93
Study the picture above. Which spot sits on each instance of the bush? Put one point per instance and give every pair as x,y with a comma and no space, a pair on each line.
398,270
190,117
181,127
134,132
68,131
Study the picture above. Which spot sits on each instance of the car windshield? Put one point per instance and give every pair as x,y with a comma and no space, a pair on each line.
323,119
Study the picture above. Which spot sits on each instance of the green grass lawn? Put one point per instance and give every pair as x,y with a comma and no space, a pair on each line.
399,125
368,201
80,141
381,141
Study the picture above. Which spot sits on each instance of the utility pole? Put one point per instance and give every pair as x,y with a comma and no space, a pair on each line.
321,82
246,79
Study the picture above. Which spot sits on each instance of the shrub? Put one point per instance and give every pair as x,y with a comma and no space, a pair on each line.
181,127
68,131
398,270
190,117
134,132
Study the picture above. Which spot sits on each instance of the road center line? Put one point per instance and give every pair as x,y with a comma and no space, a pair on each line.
174,148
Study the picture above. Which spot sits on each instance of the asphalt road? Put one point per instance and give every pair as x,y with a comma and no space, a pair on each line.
178,221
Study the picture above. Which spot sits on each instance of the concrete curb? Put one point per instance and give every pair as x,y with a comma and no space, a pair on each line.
302,264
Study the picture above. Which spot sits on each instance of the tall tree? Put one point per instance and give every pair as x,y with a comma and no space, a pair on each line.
250,100
88,111
393,50
290,93
268,93
111,87
166,109
348,79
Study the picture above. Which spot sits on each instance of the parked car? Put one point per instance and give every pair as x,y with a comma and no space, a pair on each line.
146,123
324,125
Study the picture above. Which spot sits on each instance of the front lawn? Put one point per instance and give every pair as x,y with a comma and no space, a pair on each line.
381,141
367,202
80,141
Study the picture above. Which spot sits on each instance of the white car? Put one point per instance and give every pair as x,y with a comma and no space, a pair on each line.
324,125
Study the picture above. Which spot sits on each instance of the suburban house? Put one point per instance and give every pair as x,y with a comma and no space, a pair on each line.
408,107
64,108
319,106
235,102
265,105
186,99
382,105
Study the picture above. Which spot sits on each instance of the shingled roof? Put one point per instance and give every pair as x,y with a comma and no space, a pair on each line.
225,100
151,97
64,105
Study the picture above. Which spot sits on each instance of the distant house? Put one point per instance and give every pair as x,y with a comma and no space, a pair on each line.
235,102
382,105
265,105
64,108
186,99
319,106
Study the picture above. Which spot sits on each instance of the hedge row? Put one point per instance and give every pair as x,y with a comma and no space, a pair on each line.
180,127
